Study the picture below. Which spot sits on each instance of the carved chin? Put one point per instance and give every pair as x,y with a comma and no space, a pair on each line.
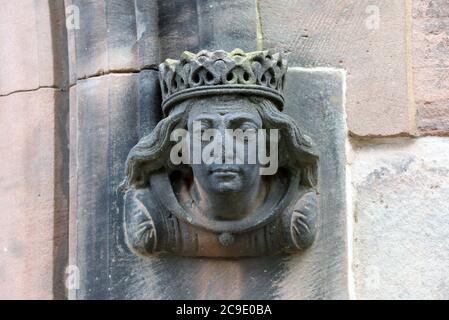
227,186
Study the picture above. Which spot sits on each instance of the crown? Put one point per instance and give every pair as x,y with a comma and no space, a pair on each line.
220,72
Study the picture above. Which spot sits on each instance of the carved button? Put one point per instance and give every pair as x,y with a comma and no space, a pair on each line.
226,239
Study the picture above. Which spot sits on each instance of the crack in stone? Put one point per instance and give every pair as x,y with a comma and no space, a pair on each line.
31,90
102,73
95,75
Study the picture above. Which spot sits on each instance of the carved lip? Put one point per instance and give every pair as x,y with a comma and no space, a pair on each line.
224,170
225,175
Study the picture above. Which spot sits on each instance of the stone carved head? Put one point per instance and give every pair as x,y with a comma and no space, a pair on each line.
221,208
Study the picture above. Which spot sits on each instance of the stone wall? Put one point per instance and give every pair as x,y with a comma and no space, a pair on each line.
34,148
431,65
62,91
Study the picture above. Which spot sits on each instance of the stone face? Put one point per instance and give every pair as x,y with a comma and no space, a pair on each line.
105,126
431,65
401,216
235,214
33,45
33,197
345,34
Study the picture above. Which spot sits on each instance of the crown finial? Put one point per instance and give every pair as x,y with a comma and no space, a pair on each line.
220,72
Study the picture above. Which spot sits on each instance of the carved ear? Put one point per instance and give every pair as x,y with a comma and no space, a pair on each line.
139,226
301,222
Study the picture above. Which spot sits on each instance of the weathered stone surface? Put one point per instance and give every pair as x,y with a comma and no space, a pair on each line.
106,120
431,65
124,36
227,25
315,98
113,36
203,24
33,46
33,197
344,34
147,33
106,127
91,41
401,245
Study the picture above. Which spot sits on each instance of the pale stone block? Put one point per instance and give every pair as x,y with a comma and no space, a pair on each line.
18,31
367,38
33,45
401,235
32,202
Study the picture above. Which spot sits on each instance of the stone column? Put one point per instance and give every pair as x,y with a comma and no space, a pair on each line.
113,89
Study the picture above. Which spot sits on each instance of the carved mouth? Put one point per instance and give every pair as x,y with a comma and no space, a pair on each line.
225,171
226,175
